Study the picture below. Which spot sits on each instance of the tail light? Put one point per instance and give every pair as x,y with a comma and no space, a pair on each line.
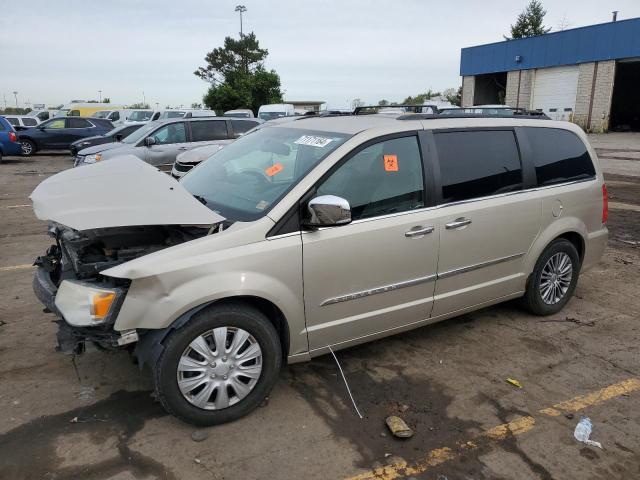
12,137
605,204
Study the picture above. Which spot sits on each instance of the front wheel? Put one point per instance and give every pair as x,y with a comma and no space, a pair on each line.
554,278
219,366
28,147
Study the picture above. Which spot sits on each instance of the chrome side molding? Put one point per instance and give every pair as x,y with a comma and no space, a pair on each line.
375,291
418,281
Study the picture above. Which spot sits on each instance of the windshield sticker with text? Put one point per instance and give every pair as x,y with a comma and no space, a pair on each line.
313,141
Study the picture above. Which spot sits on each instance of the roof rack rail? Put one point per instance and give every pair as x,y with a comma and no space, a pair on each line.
372,109
429,116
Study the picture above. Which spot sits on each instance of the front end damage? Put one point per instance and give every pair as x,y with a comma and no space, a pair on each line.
69,283
102,216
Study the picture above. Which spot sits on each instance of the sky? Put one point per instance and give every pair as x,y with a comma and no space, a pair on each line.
332,50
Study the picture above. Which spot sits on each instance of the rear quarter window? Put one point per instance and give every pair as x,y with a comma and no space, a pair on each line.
478,163
29,122
559,156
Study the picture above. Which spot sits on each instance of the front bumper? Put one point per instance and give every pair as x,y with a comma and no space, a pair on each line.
71,339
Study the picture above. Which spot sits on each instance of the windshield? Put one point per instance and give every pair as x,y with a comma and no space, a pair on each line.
101,114
140,133
172,114
140,115
270,115
245,179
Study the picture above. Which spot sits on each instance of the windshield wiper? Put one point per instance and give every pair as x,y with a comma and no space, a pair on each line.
200,198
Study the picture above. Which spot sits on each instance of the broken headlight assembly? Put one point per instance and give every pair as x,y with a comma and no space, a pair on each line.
83,304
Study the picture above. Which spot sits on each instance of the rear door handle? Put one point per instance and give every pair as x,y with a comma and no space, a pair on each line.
182,148
458,223
418,231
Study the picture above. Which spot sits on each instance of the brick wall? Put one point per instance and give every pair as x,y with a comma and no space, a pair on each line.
468,87
600,106
521,98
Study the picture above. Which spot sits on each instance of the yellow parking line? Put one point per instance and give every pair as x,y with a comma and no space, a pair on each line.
401,468
16,267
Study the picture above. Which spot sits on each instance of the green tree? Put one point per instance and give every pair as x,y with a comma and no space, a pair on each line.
139,106
453,96
529,22
420,98
238,77
383,103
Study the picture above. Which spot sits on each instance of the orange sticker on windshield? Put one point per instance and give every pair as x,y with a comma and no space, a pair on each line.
391,163
277,168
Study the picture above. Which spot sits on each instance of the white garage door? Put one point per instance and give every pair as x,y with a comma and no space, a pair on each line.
554,91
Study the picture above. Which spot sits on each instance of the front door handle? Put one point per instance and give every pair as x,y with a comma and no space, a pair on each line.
458,223
418,231
182,148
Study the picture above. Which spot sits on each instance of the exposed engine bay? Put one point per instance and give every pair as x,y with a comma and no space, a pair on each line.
83,255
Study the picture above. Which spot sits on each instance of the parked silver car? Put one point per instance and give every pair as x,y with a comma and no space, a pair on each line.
318,233
159,143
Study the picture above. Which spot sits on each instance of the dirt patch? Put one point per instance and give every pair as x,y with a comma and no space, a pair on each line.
32,450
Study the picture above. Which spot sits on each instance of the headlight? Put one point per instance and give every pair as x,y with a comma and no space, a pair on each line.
96,157
85,305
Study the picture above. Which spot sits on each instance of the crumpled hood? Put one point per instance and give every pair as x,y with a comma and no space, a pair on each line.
124,191
102,147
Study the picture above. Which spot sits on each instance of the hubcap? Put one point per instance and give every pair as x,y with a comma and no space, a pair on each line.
219,368
26,148
556,278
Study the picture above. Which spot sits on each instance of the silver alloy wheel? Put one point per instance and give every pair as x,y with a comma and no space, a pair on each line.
556,278
219,368
27,148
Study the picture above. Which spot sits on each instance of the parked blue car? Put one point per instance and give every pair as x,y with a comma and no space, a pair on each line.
9,144
60,132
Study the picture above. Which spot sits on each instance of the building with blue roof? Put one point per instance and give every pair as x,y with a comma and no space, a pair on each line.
588,75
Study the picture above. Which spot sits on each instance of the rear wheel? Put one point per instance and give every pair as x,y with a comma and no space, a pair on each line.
219,366
554,278
28,147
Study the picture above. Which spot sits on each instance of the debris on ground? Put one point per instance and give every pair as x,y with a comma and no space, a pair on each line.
514,382
398,427
569,416
2,322
197,460
583,432
200,435
577,321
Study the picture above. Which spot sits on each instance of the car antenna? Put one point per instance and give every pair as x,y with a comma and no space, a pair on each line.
345,382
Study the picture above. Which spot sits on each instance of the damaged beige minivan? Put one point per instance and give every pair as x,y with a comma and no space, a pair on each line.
310,234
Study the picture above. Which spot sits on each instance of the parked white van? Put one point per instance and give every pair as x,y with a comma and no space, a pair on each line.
117,117
142,116
186,113
276,110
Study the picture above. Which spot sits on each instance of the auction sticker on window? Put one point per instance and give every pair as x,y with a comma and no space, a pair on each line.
391,163
277,168
314,141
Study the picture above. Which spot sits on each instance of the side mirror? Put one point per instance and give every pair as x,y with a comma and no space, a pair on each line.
328,211
150,141
118,137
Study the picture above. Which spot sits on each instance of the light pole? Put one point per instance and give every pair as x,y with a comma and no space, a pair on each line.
157,105
241,9
15,94
144,100
100,96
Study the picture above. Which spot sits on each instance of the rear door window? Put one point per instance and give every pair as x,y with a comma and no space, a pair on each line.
559,156
478,163
209,130
242,126
78,123
13,121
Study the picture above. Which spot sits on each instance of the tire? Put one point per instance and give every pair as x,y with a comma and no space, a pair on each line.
178,348
28,148
551,270
0,156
